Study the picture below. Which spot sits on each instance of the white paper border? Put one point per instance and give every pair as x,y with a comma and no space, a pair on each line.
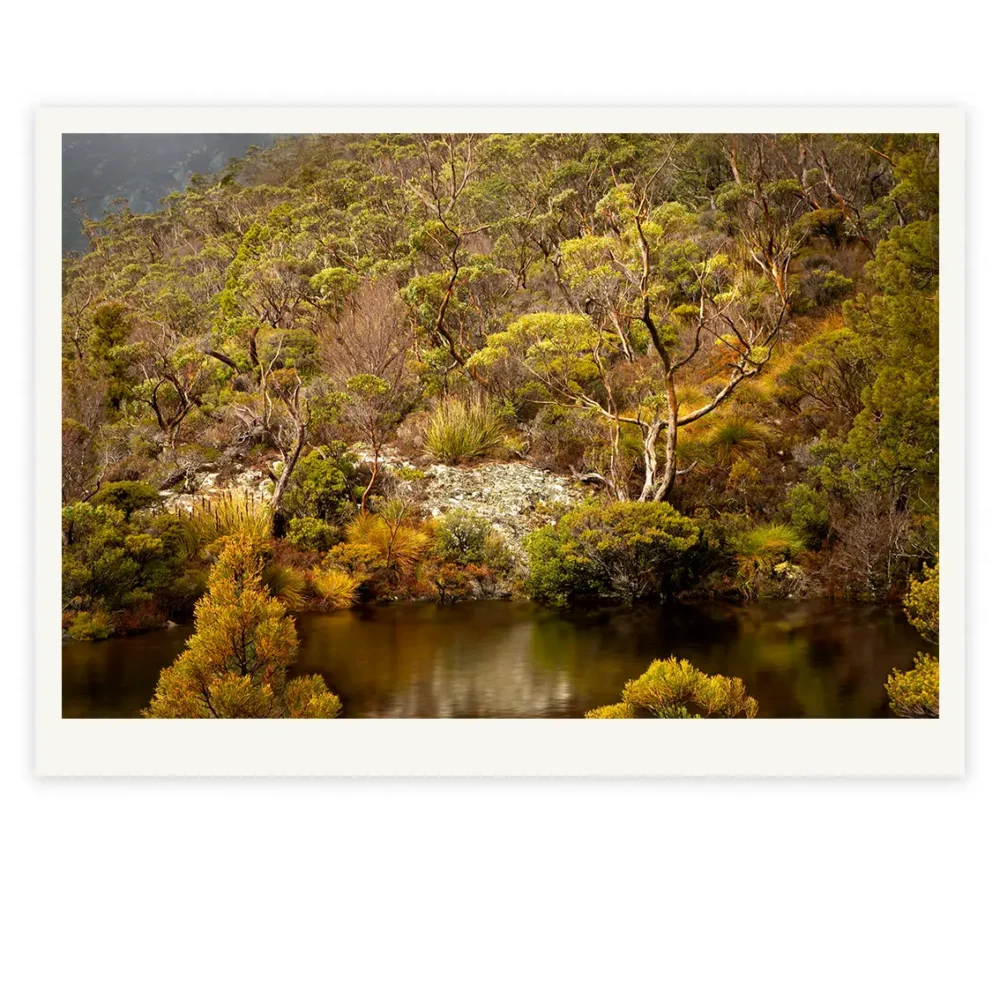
362,747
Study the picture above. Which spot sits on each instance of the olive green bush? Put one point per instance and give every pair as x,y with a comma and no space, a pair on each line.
322,486
461,537
809,513
765,557
128,497
86,626
286,583
623,551
108,563
310,534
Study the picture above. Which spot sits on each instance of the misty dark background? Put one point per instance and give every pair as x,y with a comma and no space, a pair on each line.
97,167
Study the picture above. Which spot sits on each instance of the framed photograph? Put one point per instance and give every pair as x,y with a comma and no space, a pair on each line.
500,441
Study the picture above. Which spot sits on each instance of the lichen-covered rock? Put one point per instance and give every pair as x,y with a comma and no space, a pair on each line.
516,498
198,486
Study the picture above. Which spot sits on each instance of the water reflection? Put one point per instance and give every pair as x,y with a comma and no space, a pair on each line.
498,659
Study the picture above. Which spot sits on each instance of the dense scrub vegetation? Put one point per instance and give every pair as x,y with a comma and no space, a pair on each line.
733,339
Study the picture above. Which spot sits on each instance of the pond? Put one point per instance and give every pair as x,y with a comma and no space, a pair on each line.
500,659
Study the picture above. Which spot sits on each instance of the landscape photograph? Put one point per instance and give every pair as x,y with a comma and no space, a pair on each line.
500,426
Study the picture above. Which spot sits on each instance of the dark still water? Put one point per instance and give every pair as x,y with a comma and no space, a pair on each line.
498,659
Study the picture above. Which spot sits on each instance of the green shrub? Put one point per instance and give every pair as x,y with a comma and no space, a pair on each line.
322,487
458,431
556,573
407,473
128,497
107,565
672,689
824,222
285,583
88,626
735,436
623,551
461,536
310,533
809,514
180,533
498,556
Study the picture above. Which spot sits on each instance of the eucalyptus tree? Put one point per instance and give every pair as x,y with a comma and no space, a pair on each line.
658,297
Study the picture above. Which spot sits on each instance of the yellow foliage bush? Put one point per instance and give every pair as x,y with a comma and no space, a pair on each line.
336,586
309,698
914,694
670,688
921,603
397,545
235,664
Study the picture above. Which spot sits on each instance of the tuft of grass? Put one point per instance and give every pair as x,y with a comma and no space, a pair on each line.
285,583
231,514
768,540
336,586
397,546
759,550
737,435
460,430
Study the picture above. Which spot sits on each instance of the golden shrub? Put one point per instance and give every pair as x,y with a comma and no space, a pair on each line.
336,586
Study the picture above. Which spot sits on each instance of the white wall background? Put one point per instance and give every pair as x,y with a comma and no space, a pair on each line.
478,889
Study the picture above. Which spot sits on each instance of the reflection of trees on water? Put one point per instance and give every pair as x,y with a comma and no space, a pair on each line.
500,659
432,663
817,659
115,679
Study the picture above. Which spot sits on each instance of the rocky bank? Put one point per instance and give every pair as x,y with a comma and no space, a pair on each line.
514,496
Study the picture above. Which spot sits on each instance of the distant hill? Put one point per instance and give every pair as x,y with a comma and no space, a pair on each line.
140,167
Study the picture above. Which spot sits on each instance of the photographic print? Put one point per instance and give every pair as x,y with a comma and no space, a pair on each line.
625,438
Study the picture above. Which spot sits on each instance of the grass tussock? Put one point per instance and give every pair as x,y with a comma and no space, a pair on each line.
737,435
461,431
336,586
398,546
759,551
231,514
287,584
